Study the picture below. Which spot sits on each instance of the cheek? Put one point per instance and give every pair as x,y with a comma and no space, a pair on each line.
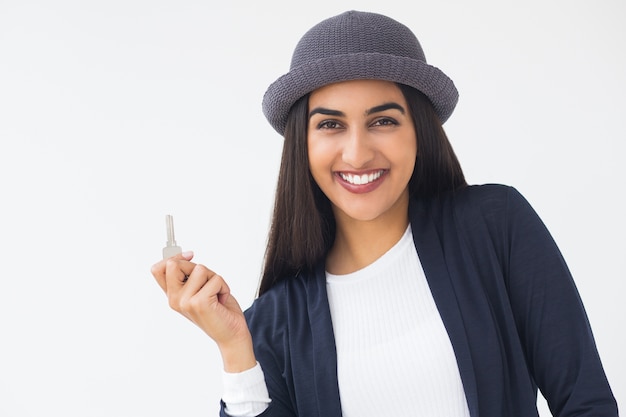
319,157
408,155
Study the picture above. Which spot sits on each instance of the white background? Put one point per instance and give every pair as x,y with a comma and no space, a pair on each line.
115,113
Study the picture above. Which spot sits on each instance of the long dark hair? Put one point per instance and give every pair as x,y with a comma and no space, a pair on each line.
303,226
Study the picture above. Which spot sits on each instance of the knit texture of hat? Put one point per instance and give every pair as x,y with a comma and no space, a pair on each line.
357,45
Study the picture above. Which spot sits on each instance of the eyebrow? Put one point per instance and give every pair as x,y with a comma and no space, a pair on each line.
325,111
375,109
386,106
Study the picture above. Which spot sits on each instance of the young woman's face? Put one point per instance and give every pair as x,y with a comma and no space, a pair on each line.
362,147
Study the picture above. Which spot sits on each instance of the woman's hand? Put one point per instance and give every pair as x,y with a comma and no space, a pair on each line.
203,297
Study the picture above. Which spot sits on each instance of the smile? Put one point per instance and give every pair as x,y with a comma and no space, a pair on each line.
362,179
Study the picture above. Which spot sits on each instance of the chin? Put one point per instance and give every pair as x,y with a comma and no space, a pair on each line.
365,214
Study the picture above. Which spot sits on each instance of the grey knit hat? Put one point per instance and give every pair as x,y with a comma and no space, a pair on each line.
357,45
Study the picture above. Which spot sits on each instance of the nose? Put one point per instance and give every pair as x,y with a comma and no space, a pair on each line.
357,150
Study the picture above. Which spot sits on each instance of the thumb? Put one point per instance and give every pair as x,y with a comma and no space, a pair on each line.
187,255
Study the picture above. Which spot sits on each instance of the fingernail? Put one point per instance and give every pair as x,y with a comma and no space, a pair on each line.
187,254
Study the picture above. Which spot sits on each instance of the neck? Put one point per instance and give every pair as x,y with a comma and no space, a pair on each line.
358,243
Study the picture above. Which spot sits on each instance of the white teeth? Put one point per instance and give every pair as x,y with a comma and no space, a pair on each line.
361,179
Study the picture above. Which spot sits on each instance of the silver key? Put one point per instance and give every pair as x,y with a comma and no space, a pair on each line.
171,248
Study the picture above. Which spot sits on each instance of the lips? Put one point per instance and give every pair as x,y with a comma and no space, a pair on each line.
362,179
361,183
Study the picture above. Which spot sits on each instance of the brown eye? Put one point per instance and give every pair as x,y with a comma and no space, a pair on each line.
385,121
328,124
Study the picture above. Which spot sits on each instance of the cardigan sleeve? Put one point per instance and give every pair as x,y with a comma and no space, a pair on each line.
554,329
265,319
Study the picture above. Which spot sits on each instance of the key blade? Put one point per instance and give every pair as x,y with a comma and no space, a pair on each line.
169,226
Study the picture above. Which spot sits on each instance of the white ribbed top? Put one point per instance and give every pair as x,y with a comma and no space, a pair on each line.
394,356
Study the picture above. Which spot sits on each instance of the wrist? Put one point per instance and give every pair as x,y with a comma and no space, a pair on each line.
238,356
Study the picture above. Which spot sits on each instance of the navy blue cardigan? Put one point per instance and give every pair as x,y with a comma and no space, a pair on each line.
507,300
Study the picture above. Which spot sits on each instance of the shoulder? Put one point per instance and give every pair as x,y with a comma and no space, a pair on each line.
485,201
267,306
489,211
272,312
486,197
503,203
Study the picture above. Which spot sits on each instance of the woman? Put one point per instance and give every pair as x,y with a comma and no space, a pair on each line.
390,286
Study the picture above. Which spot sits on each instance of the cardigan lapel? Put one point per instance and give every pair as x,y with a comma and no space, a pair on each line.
324,349
429,249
